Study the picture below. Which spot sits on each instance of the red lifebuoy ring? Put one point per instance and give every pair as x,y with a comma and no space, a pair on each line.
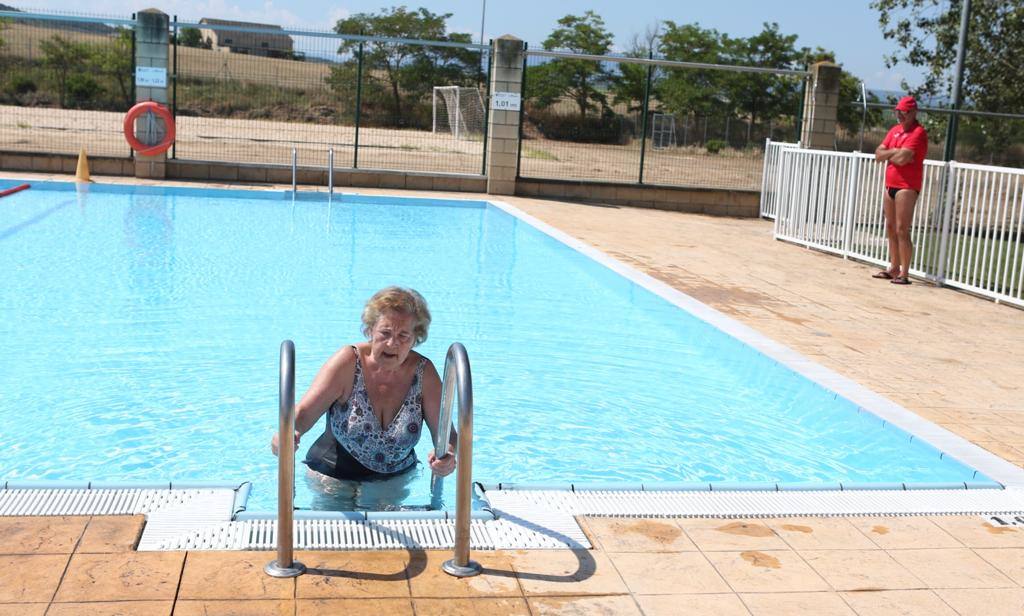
129,128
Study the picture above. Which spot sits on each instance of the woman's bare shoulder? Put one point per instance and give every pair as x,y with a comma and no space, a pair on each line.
343,358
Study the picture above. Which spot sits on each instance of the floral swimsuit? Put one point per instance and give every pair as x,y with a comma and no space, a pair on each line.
384,450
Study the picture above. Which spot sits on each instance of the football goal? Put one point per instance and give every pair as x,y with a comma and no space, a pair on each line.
663,131
458,111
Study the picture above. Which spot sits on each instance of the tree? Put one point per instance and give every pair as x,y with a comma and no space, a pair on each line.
190,37
114,59
400,71
927,32
684,89
65,58
582,81
761,95
630,85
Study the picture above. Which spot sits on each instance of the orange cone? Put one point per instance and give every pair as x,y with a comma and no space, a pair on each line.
82,171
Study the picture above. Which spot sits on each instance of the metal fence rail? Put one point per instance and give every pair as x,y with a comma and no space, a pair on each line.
83,66
628,135
967,226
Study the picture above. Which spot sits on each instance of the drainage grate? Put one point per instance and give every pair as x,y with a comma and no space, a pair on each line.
328,535
38,502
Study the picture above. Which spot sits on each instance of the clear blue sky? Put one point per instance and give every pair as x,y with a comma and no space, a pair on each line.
848,27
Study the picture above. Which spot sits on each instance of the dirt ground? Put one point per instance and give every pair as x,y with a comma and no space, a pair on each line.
25,129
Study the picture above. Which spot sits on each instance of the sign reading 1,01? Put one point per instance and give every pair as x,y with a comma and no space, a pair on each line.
150,77
505,101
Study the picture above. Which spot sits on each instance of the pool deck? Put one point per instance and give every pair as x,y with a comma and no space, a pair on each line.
942,354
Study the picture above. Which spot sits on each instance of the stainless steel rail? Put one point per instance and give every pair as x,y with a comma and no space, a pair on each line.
295,169
285,566
330,172
457,377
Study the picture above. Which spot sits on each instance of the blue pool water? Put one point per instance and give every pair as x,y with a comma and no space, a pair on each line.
141,328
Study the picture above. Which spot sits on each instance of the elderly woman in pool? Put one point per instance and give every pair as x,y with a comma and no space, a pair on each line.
377,394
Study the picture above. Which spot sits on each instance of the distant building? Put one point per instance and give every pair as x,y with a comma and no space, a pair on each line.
254,43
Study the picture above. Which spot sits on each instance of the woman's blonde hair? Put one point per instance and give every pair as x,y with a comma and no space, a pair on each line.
402,301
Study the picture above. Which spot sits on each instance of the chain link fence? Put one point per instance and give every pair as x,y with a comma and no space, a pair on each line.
615,119
249,94
83,66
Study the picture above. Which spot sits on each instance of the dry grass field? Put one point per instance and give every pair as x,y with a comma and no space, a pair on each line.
25,129
23,39
205,63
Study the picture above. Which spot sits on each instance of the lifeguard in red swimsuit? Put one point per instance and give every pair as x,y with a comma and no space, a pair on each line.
905,148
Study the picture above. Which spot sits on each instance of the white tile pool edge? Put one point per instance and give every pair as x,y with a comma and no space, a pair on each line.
888,411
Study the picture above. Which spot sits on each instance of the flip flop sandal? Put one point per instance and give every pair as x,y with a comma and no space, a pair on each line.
900,280
883,275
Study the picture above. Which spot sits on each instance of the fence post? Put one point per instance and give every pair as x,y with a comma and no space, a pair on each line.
506,105
487,104
359,104
947,220
643,120
151,50
174,85
764,176
522,115
821,108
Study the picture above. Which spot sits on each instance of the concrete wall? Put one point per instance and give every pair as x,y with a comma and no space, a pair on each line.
711,201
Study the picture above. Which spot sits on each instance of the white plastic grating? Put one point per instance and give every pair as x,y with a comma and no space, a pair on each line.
330,535
758,504
39,502
510,532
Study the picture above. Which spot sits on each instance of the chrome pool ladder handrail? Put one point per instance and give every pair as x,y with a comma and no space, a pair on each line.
457,377
285,565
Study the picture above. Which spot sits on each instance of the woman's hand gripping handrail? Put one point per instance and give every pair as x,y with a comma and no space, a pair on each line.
457,377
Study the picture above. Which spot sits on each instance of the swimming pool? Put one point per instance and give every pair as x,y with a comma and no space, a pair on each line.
142,328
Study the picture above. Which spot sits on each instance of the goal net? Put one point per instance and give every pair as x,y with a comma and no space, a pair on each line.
663,131
458,111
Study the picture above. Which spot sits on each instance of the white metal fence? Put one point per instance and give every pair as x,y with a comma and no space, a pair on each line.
967,229
770,177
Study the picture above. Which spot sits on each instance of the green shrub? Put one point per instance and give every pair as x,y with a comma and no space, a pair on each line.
20,84
82,89
714,146
609,128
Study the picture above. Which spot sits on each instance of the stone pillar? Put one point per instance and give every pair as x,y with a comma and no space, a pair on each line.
502,125
151,50
821,107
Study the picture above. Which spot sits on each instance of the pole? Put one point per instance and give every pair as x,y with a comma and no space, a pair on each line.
174,87
961,51
643,120
359,104
483,13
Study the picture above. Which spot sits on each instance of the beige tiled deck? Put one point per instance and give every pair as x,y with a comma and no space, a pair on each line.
637,567
949,357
